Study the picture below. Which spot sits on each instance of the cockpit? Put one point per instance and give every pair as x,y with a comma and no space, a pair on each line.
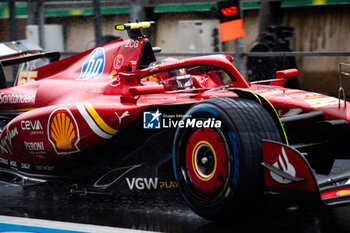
185,78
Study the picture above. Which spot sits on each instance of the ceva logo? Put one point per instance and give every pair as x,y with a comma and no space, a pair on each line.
152,119
283,164
94,65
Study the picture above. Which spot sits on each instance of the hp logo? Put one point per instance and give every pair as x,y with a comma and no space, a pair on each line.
94,65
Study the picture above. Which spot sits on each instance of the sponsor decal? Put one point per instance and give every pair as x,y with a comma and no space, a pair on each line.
13,164
335,193
203,80
34,126
98,90
167,185
25,166
25,77
125,114
34,146
273,91
6,140
4,161
44,167
283,164
304,95
150,183
170,63
154,69
63,132
155,120
14,99
94,65
323,102
38,154
315,100
132,44
94,120
343,192
280,112
115,81
118,61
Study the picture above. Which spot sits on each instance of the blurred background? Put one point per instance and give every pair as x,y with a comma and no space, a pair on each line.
315,31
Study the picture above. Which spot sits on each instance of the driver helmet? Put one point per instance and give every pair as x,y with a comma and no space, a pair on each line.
173,79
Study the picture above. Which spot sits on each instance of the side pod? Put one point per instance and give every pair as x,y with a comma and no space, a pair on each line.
289,176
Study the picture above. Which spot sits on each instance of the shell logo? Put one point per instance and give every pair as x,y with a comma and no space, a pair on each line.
343,192
63,132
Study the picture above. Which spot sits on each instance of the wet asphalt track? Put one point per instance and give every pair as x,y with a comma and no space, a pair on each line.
165,213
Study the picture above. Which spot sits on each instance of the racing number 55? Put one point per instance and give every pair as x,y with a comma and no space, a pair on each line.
25,77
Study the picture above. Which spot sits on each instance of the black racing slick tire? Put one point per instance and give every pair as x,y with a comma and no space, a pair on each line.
218,168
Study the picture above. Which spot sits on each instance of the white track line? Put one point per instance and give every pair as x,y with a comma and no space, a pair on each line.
66,226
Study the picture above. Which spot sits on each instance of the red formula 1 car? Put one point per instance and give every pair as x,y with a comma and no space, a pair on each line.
114,118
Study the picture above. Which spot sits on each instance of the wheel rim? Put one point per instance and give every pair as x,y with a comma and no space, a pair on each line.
206,161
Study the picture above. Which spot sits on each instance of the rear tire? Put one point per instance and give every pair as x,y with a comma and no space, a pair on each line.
219,170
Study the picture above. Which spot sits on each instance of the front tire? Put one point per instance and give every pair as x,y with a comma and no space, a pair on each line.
218,169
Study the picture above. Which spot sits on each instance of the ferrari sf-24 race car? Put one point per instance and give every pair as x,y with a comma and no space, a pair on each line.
114,118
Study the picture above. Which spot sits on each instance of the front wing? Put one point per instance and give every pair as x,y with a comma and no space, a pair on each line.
288,176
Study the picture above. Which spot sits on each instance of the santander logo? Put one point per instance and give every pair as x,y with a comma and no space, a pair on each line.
283,164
